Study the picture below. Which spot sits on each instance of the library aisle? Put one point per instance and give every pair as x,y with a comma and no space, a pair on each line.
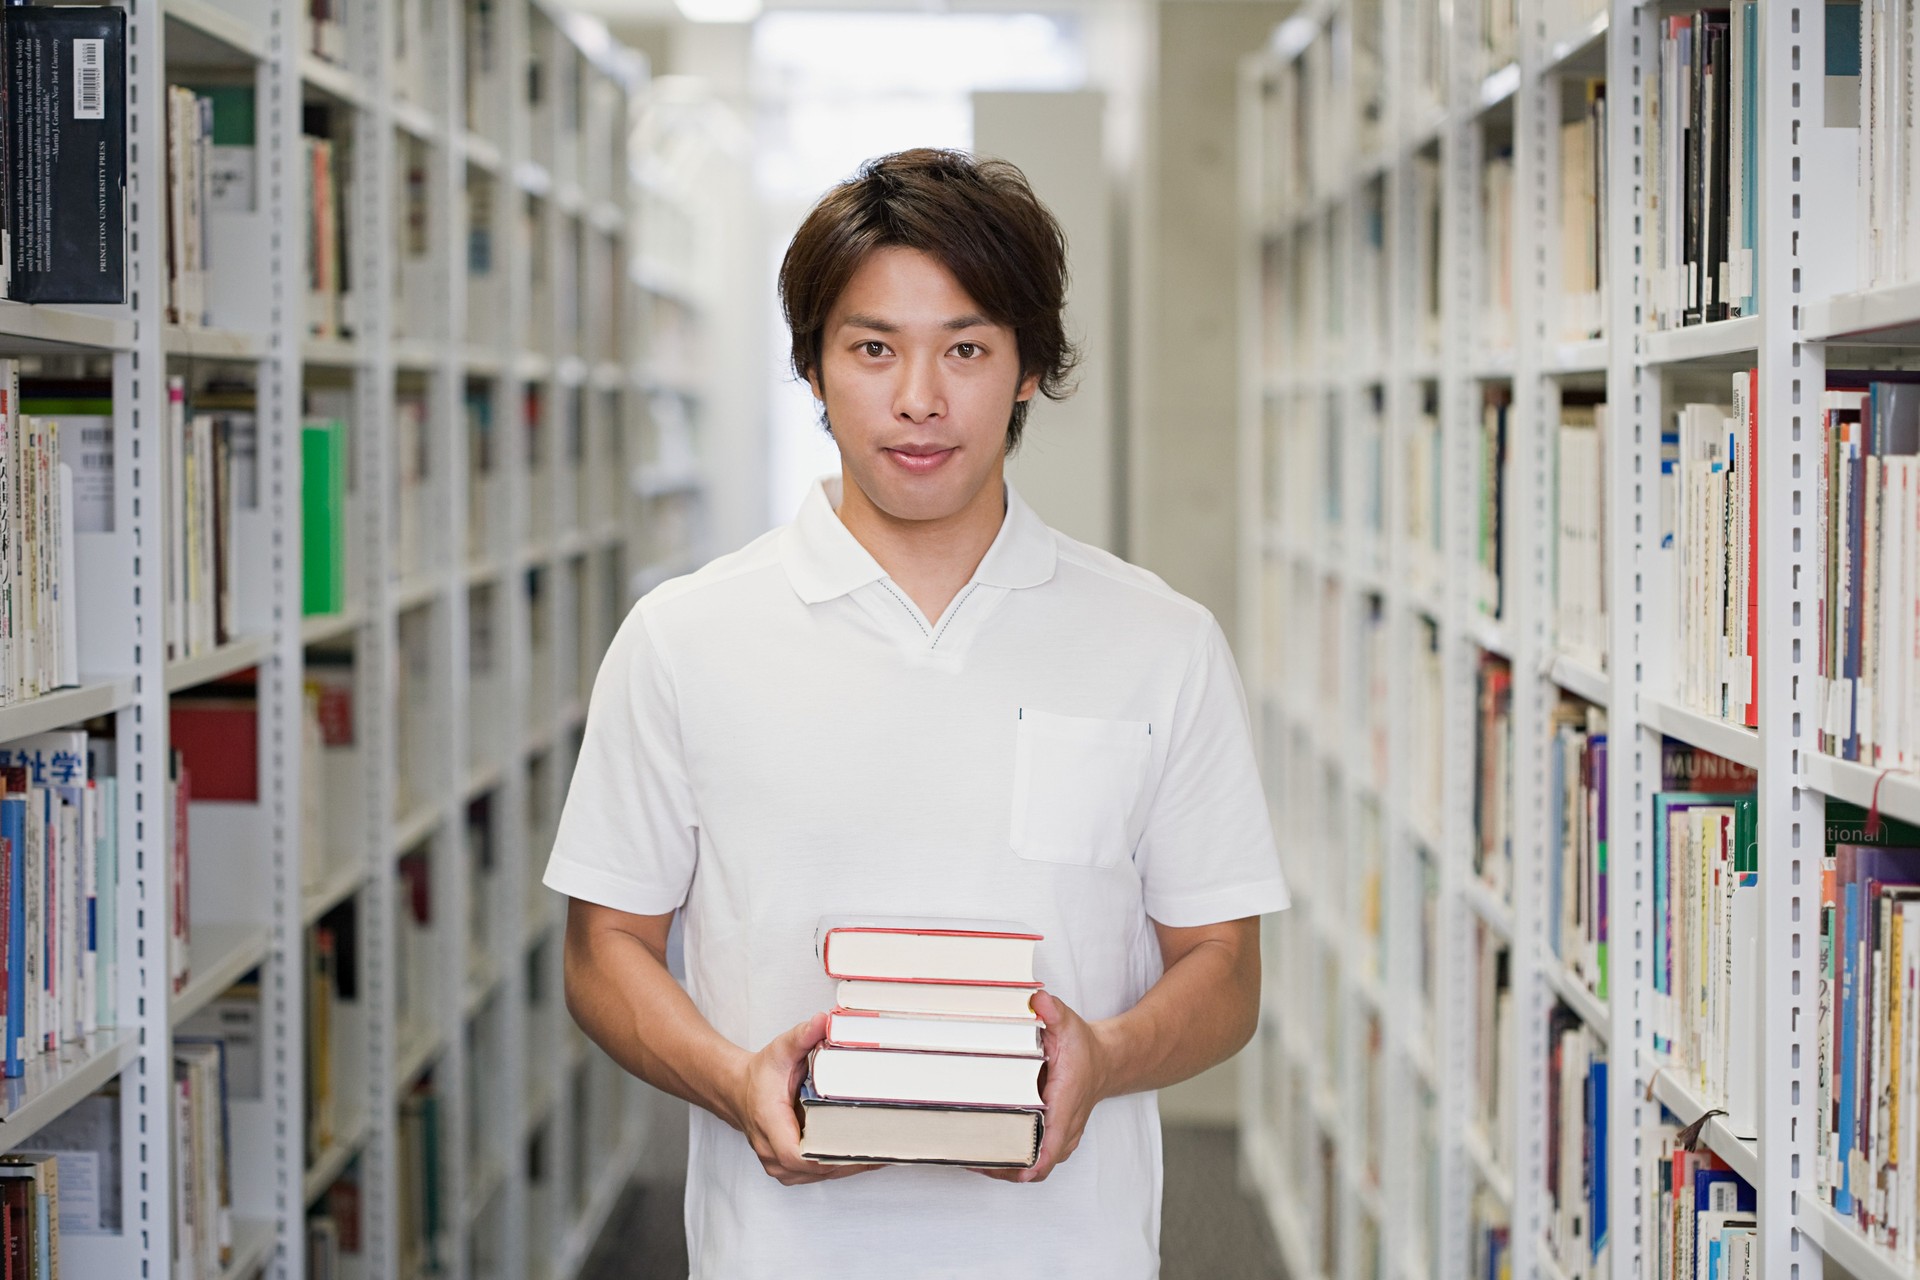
1211,1227
325,478
1580,346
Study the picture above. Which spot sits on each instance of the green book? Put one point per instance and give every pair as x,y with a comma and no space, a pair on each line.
1847,824
323,497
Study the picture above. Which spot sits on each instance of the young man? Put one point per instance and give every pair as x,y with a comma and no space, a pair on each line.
919,700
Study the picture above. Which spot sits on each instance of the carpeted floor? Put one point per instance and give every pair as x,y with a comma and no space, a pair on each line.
1209,1229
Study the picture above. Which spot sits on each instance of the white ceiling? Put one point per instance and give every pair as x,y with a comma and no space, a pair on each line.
665,10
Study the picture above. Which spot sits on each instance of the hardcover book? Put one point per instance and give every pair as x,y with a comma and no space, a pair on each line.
66,162
839,1132
850,1029
913,949
880,1075
937,999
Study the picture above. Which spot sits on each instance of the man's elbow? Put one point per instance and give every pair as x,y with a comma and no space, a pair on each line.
1246,1015
1247,985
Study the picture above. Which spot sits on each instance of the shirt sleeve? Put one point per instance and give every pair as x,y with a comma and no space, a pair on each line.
628,836
1207,853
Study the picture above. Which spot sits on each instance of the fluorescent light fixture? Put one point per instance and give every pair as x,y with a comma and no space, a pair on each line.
1289,38
719,10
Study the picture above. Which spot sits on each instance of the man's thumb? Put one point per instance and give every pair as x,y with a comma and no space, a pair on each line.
804,1035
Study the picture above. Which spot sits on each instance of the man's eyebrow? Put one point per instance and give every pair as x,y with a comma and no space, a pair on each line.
861,320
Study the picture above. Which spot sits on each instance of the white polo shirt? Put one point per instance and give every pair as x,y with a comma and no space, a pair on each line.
783,735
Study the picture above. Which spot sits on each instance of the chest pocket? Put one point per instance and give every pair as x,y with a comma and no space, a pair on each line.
1079,787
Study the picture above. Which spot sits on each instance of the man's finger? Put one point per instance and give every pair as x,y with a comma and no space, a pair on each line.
831,1172
1048,1008
802,1036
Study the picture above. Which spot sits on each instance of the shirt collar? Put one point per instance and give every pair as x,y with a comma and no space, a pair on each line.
824,559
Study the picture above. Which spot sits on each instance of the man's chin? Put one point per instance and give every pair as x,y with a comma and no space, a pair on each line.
919,498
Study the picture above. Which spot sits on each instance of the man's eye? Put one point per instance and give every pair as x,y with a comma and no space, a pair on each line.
966,350
875,349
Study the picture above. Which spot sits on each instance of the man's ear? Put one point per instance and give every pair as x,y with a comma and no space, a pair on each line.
1029,386
813,385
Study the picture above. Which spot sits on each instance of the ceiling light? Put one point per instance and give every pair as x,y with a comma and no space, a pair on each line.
719,10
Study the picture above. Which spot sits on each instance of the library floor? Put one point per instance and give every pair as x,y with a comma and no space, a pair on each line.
1210,1229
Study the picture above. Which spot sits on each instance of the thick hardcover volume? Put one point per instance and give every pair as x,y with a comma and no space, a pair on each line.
920,949
66,142
837,1132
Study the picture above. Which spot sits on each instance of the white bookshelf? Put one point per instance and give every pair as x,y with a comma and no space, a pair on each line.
524,1192
1314,349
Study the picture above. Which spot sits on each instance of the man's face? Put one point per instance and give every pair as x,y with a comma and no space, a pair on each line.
918,385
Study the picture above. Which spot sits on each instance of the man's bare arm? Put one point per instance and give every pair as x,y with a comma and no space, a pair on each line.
620,992
1202,1011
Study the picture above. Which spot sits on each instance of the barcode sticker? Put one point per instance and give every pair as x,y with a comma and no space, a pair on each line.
89,96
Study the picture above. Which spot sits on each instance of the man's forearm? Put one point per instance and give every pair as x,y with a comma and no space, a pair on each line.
1201,1012
623,997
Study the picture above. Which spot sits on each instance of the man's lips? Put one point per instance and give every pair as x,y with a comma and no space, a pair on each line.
919,459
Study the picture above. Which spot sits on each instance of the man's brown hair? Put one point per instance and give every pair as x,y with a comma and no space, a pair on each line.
978,218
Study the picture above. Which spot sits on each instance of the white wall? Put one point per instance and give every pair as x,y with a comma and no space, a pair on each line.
1068,463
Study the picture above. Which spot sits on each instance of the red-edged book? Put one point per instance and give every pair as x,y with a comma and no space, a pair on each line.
864,1029
917,949
933,1079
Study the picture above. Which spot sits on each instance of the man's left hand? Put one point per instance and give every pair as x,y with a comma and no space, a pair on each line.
1076,1080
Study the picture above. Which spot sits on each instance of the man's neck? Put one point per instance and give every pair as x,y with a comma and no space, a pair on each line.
928,559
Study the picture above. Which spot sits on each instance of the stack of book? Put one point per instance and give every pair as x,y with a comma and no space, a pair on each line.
1706,894
1701,119
56,492
1709,494
1702,1219
1576,1146
1489,543
1868,512
1577,842
933,1054
1583,223
1869,1025
1580,529
1493,794
58,857
211,469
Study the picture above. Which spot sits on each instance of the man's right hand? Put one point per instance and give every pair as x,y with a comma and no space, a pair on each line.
762,1106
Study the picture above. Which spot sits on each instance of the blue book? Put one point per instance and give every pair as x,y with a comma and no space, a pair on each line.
13,829
1706,1199
1597,1190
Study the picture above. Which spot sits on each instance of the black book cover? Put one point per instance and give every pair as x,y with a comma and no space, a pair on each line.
66,162
1719,172
6,173
1692,252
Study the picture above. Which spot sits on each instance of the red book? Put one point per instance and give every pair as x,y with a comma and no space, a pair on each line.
182,909
220,738
1753,549
915,949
